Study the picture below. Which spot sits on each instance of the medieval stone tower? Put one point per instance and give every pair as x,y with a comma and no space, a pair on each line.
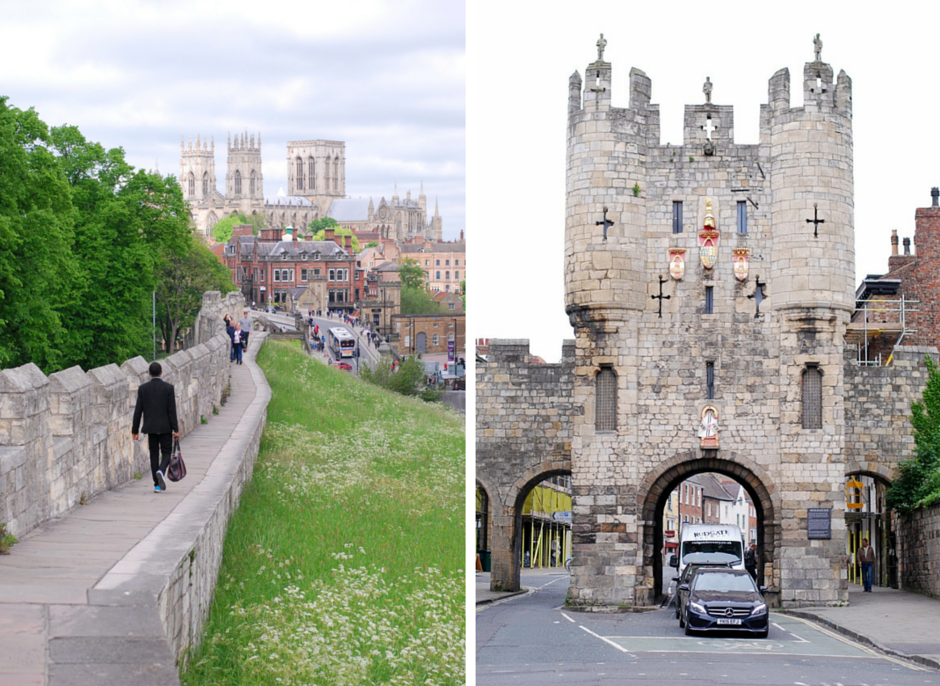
244,183
316,170
197,169
709,285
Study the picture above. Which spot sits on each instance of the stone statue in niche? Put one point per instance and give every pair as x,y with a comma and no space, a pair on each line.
708,238
708,430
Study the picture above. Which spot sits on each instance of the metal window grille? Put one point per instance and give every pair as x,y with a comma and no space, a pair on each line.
606,400
709,300
812,398
677,216
742,216
710,379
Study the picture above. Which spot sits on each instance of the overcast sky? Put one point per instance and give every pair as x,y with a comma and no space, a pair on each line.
385,77
517,90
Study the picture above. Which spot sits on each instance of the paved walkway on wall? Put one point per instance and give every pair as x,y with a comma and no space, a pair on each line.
50,633
899,623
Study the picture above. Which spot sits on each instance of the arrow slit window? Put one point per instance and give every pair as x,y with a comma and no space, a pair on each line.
606,400
812,397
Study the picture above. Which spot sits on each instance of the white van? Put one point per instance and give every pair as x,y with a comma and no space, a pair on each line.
721,544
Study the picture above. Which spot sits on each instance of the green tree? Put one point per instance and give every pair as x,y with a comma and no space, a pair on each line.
918,479
182,281
320,235
418,301
37,273
407,379
318,225
411,274
372,244
463,294
222,231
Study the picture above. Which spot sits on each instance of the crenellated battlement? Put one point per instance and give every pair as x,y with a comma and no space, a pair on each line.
244,143
67,437
202,148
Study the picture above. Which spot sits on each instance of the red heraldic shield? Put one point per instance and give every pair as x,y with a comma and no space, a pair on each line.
677,263
708,238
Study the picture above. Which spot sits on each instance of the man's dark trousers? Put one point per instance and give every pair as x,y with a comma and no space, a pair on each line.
159,443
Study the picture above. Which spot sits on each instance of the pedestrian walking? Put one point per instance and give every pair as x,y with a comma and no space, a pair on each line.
245,321
750,560
230,331
866,556
156,401
237,343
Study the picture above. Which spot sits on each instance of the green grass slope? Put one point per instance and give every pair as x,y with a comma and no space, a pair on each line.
344,561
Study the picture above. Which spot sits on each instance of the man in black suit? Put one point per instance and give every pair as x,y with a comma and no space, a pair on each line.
157,402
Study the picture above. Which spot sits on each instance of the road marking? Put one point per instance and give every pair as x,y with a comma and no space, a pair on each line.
605,640
848,641
568,618
787,631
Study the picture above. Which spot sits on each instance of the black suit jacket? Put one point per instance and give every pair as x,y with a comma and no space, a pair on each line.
157,402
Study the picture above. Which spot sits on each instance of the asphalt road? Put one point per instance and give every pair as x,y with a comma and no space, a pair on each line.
531,639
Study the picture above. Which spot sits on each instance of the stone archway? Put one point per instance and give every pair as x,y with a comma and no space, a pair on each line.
506,528
655,489
874,521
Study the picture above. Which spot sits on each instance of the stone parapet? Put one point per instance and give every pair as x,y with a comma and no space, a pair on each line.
919,552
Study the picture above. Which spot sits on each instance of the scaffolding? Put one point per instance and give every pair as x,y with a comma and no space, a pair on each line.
879,318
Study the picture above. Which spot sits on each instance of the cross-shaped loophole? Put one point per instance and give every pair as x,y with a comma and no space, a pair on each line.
709,127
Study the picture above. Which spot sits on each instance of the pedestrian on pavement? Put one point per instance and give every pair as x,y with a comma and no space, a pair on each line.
156,401
230,330
866,556
245,321
237,343
750,560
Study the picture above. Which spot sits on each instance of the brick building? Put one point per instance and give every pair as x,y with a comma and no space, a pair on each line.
444,264
430,333
901,307
272,268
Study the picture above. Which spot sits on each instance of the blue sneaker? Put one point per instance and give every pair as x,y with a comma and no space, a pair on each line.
161,483
157,489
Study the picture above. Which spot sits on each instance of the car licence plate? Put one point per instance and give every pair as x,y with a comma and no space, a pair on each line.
732,622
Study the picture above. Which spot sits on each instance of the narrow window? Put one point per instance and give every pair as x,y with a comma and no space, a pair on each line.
606,400
299,175
438,276
742,216
709,300
812,397
710,380
205,184
192,185
251,183
311,174
677,216
238,182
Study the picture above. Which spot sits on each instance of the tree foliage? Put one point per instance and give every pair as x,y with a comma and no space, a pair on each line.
918,479
183,280
318,225
320,234
411,274
222,231
418,301
83,237
407,379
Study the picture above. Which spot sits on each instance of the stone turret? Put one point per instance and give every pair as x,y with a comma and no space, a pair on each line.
197,169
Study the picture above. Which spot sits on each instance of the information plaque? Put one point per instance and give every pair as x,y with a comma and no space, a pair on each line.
819,522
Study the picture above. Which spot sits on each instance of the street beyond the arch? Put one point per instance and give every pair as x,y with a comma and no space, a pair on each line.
532,638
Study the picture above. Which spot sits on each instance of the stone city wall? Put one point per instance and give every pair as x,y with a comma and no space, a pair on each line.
878,400
67,437
919,552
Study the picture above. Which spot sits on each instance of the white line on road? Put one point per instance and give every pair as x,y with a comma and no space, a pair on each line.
800,639
568,618
605,640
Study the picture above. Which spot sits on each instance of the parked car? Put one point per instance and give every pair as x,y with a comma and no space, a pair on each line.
345,366
683,581
722,600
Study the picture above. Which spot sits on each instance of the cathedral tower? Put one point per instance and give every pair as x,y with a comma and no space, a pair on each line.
316,170
244,184
197,169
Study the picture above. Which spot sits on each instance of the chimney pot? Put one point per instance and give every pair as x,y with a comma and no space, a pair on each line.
934,196
907,246
894,241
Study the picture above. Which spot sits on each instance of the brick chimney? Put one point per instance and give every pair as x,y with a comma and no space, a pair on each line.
329,234
347,243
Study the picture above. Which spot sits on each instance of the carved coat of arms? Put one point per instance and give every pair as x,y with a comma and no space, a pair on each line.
708,430
677,263
740,263
708,238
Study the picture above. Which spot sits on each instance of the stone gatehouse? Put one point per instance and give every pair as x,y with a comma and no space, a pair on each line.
710,287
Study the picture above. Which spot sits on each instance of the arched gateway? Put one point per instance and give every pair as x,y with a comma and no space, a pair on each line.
710,288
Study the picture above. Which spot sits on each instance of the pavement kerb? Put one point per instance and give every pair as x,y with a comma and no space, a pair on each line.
502,596
861,638
162,572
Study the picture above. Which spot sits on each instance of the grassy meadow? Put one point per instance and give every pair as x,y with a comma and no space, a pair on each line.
344,561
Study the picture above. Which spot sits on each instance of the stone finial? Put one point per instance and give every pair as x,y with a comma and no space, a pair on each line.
601,44
707,90
817,48
934,196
